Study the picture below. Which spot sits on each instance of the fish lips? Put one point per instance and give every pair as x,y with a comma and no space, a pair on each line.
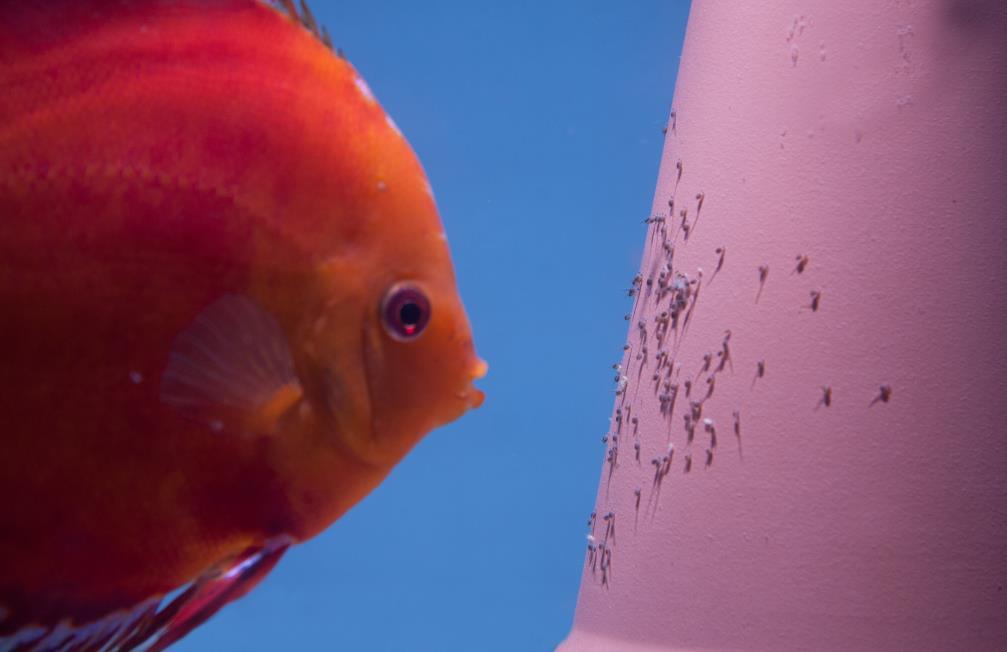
472,395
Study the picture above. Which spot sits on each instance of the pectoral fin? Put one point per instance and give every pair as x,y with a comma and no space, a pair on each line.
231,368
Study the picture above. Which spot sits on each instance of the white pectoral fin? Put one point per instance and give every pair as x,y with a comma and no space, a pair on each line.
232,363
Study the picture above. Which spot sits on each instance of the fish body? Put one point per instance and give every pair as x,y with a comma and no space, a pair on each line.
204,217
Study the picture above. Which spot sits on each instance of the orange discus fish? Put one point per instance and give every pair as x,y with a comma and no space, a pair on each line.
227,309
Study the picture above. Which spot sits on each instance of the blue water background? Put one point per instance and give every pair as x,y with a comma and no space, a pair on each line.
540,127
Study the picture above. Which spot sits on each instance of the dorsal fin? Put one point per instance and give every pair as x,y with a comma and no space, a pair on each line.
44,20
304,16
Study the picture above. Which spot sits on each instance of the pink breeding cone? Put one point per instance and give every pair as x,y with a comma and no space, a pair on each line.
808,448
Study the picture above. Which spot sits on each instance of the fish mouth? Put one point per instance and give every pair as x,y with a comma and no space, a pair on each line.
472,396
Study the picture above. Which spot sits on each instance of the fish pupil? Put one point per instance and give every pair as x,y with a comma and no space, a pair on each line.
410,314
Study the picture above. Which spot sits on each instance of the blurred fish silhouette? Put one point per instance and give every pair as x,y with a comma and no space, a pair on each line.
226,302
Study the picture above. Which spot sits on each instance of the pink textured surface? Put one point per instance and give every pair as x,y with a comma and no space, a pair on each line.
871,137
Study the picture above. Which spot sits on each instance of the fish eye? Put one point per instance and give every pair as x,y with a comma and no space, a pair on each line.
405,312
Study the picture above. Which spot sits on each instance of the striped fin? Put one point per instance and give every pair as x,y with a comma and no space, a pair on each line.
160,621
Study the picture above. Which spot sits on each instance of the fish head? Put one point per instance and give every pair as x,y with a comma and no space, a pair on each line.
396,347
407,363
419,360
